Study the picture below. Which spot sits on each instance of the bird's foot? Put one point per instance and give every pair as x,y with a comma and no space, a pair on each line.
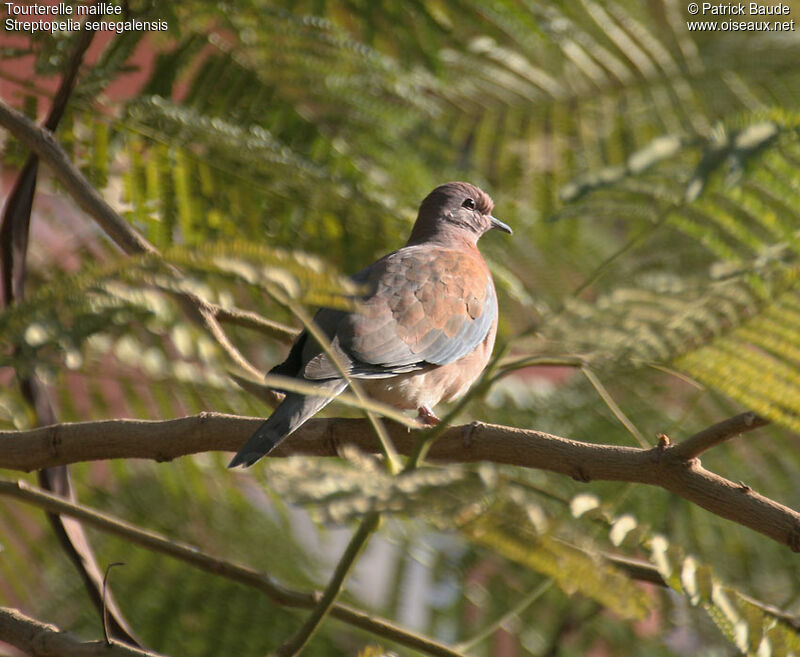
427,416
468,434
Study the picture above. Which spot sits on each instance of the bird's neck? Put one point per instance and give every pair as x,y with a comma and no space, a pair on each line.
449,236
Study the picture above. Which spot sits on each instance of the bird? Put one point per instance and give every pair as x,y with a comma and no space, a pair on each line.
421,333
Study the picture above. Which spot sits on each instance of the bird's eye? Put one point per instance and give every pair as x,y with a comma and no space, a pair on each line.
468,203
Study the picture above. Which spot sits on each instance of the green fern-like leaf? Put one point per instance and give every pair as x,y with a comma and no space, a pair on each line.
574,570
341,491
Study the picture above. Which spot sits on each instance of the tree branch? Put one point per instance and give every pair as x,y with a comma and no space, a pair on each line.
203,561
44,640
44,144
718,433
328,598
660,466
256,322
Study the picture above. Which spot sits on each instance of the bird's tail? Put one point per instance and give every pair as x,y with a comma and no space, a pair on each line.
293,411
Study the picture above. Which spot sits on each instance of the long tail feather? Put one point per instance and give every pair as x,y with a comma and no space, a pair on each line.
290,414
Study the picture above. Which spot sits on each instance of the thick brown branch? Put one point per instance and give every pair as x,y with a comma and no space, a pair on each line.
211,564
71,443
43,640
718,433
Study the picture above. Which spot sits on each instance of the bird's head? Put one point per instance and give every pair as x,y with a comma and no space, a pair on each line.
455,211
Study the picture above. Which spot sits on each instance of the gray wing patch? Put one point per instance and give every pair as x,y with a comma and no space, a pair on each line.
446,350
437,347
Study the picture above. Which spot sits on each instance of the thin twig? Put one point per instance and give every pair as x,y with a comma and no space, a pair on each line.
515,611
389,452
368,524
624,420
292,384
272,382
634,241
218,333
106,635
357,543
511,366
45,145
643,571
250,320
601,269
718,433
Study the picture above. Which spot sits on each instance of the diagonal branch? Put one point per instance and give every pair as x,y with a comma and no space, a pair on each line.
661,466
327,600
22,491
254,321
44,144
612,405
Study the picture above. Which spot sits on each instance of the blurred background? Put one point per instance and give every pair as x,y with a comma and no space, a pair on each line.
651,173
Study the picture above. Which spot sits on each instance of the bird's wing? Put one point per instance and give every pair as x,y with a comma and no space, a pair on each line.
426,305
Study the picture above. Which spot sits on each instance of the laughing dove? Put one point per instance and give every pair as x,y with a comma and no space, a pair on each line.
421,334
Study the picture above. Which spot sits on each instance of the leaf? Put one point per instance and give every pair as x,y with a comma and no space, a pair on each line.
342,490
114,299
752,627
573,570
295,275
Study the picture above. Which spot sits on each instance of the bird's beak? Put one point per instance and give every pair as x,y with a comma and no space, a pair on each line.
496,223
